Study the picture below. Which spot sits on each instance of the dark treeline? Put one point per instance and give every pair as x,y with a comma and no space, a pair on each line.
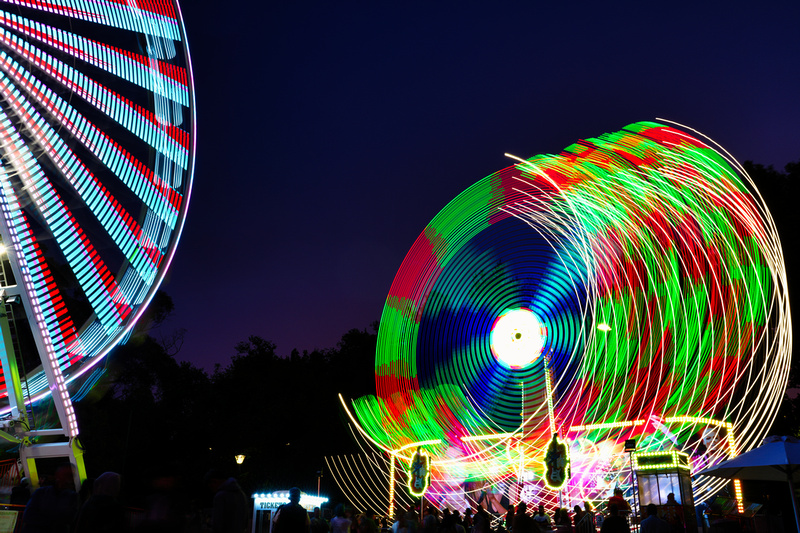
152,416
780,190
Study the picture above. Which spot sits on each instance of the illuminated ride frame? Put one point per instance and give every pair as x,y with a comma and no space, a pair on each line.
631,287
96,162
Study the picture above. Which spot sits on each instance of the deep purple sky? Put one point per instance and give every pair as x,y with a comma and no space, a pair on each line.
331,133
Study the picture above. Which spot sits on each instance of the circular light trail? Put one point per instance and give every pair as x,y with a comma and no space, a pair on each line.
97,140
650,260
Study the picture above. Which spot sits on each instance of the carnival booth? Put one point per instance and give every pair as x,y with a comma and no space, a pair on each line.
265,506
665,479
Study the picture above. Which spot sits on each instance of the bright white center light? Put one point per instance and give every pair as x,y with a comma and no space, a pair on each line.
517,338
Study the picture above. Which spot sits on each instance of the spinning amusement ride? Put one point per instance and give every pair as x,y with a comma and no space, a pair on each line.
630,289
96,162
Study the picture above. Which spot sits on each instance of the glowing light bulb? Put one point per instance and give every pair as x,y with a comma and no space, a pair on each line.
517,338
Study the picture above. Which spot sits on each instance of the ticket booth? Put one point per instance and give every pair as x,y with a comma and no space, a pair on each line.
665,479
265,506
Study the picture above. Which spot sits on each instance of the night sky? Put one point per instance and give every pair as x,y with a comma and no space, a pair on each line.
331,133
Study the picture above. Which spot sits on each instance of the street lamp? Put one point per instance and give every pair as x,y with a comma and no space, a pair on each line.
605,328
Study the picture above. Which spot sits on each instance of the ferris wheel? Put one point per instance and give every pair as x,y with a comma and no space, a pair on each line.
97,134
630,289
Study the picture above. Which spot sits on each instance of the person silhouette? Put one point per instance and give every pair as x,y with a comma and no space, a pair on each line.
52,508
292,517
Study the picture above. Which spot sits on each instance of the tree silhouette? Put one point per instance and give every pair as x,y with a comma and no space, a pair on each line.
780,191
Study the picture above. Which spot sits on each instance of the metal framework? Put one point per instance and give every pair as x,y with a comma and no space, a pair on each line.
96,162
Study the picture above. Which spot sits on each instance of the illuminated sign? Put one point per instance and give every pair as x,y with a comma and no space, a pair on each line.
556,464
273,500
419,473
660,460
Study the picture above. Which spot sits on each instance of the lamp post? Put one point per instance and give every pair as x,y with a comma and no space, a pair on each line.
605,328
630,447
630,444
